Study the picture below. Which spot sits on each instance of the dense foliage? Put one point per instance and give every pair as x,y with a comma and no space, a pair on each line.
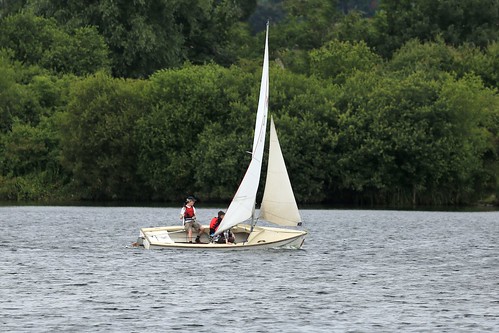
391,103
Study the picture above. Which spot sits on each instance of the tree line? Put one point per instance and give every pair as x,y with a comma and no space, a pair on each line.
153,100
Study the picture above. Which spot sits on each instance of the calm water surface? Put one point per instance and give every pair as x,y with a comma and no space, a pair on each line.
71,269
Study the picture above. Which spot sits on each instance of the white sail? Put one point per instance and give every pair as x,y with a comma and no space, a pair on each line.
278,204
243,204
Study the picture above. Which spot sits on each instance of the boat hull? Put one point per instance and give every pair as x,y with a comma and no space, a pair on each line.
175,237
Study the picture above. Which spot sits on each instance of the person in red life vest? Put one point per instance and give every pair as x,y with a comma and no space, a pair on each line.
215,222
226,237
188,217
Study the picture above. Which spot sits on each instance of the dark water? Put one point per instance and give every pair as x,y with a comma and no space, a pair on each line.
70,269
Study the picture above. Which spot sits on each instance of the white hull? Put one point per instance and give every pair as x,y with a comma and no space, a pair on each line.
260,238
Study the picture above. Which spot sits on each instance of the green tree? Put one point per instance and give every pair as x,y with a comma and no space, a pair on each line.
484,63
183,103
413,139
432,57
9,7
221,156
354,27
27,93
304,110
458,22
29,161
29,140
306,24
82,53
28,36
241,46
437,56
365,6
338,60
8,92
97,144
39,41
145,36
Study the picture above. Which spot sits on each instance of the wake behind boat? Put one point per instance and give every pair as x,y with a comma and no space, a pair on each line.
278,204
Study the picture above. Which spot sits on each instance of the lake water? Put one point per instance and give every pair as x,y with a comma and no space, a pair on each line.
72,269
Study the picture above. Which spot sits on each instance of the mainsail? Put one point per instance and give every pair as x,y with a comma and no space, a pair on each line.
243,204
278,204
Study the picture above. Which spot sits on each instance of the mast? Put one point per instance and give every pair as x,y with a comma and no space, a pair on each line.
242,206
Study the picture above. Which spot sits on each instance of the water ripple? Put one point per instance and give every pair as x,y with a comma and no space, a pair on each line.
71,269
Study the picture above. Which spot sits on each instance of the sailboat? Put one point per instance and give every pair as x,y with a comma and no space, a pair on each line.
278,204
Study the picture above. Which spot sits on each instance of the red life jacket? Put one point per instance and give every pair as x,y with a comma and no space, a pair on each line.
189,212
213,223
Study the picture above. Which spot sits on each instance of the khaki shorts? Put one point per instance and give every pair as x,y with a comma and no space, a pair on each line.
192,225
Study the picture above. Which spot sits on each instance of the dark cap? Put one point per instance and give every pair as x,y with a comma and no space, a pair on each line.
220,213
